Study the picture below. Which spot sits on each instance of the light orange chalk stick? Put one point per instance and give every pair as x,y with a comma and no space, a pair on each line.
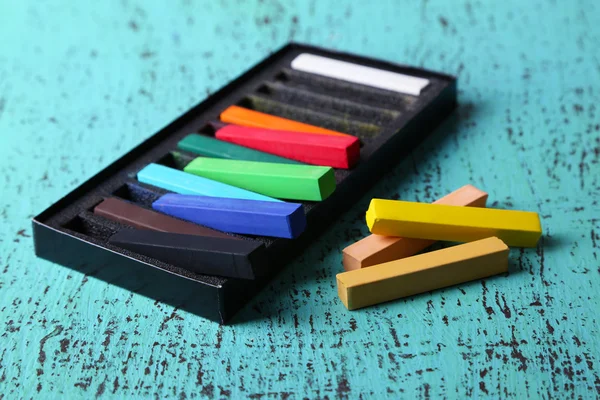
376,249
422,273
246,117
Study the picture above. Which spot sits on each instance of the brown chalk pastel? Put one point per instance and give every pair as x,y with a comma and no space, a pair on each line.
141,218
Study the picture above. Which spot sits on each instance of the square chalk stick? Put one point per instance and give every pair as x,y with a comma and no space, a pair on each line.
326,150
452,223
377,249
141,218
283,181
251,217
182,182
422,273
360,74
210,147
203,255
245,117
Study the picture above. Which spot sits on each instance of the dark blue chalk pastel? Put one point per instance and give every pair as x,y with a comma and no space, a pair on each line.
251,217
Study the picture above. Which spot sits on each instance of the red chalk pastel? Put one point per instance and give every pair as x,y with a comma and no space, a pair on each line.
325,150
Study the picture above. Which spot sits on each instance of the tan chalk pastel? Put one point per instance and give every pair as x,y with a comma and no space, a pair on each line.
377,249
421,273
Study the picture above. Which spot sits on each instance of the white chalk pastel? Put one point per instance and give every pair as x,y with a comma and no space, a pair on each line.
359,74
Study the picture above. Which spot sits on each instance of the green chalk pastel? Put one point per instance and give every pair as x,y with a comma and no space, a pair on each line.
210,147
284,181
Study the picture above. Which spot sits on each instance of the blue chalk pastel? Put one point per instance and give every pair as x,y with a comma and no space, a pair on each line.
250,217
183,183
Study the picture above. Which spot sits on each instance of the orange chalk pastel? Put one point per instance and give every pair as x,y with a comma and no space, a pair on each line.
246,117
376,249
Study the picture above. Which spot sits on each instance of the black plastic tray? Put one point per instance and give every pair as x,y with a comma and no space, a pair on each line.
388,124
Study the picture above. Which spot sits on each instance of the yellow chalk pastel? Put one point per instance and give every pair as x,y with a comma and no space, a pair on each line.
422,273
377,249
452,223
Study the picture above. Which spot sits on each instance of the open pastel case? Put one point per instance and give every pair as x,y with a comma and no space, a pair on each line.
388,124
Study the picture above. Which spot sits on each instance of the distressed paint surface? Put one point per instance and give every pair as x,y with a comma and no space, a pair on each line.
81,84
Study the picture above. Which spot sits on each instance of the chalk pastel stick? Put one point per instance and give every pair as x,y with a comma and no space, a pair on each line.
422,273
452,223
284,181
360,74
203,255
326,150
184,183
263,218
256,119
377,249
141,218
210,147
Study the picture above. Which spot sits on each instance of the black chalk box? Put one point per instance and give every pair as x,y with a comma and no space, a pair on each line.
389,125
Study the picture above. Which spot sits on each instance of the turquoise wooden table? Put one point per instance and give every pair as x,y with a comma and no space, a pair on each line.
81,84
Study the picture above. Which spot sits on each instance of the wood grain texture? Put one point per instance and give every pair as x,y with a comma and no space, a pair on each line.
82,84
